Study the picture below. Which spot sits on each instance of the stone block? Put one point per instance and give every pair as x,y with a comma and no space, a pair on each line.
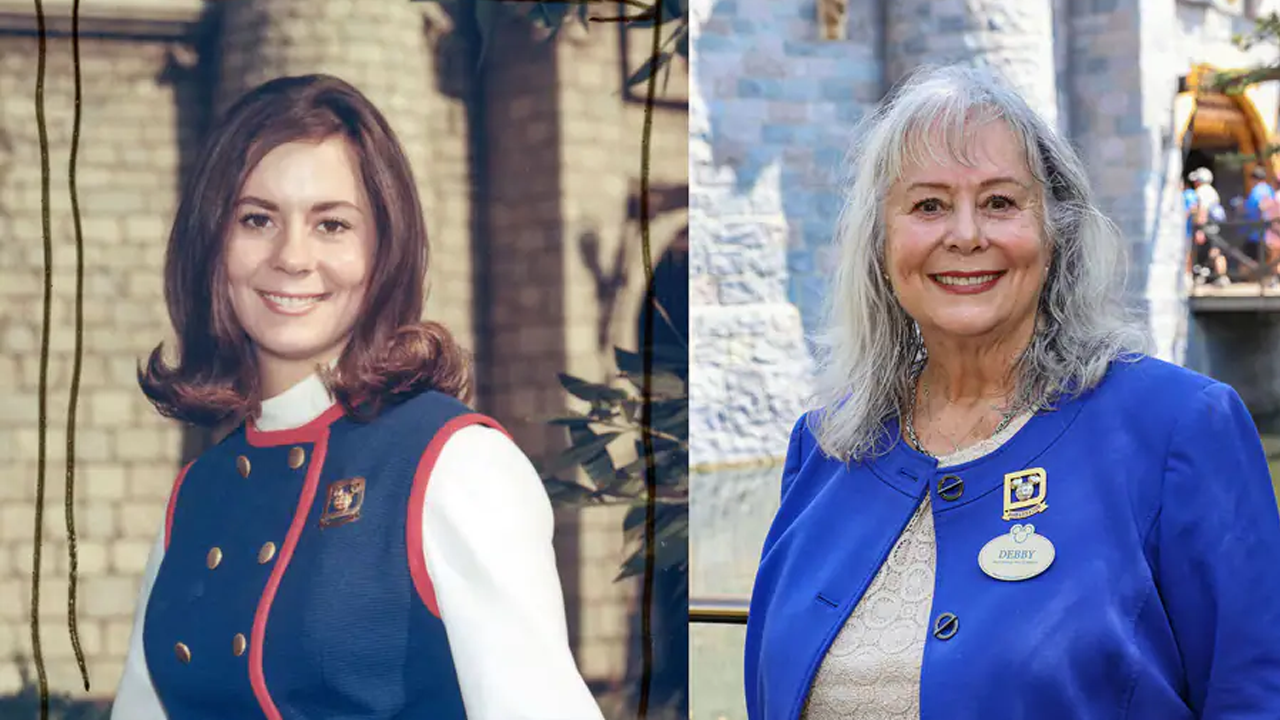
16,521
129,557
113,408
141,520
91,557
116,635
96,521
101,481
151,480
108,597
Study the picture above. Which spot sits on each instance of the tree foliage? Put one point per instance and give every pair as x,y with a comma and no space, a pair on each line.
1265,33
555,15
611,427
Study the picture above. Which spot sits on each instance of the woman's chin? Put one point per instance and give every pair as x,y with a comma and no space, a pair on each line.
296,352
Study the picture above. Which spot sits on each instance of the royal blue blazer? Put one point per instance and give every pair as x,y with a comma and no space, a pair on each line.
1163,601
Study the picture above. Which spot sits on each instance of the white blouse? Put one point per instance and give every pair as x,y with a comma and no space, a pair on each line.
487,531
872,669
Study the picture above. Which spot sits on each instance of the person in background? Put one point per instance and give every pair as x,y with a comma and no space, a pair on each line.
1199,254
1000,506
1209,215
1259,211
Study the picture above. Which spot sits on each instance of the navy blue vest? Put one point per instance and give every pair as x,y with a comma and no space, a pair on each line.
293,583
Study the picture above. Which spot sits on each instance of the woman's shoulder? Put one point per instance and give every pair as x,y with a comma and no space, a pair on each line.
1152,385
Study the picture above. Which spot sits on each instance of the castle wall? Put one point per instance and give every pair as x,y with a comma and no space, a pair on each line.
769,125
1014,39
135,131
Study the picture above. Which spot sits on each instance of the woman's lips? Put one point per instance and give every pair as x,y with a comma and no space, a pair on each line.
291,304
970,283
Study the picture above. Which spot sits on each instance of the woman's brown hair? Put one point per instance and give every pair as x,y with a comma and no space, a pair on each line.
392,353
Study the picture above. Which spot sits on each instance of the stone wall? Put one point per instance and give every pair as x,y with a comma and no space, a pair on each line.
131,143
1013,38
772,108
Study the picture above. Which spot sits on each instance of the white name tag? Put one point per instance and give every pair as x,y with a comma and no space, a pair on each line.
1020,555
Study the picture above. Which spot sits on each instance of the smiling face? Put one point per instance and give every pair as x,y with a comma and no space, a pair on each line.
964,251
298,256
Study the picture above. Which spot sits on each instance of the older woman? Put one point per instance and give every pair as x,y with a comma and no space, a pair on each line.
919,565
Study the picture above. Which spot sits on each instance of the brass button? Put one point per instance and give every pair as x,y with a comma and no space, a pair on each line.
297,456
215,557
242,464
238,644
183,653
267,552
950,487
945,627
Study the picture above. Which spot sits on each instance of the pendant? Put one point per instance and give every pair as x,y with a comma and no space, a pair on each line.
1020,554
1024,493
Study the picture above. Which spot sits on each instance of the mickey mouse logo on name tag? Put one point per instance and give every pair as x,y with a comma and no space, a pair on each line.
1020,554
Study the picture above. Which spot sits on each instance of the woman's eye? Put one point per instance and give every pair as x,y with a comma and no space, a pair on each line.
255,221
928,206
1000,202
334,226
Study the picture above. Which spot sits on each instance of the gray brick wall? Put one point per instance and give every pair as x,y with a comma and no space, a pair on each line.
773,106
1012,37
131,141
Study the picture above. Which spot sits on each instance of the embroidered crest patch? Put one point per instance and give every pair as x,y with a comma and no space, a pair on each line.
342,505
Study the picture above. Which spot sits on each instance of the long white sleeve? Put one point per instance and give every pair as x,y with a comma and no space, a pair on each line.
487,537
136,697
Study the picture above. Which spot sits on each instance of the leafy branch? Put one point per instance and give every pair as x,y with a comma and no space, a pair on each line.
554,15
611,423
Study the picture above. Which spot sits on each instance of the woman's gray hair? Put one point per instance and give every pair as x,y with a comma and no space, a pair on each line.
869,356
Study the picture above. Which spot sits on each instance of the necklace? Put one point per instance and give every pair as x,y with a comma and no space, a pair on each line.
911,424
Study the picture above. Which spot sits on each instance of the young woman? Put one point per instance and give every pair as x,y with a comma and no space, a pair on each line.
362,544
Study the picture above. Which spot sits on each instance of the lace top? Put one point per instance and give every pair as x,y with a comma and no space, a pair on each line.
872,670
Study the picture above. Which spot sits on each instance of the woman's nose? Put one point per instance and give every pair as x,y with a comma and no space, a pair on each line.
965,233
293,252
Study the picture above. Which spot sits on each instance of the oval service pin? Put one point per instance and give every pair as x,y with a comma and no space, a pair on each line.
1020,554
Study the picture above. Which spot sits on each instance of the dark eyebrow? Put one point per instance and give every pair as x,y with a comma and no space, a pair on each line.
318,207
985,184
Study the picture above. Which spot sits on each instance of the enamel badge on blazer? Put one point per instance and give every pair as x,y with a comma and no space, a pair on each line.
342,505
1024,493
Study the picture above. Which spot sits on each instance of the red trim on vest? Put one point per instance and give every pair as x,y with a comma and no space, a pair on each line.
257,677
418,498
173,503
308,433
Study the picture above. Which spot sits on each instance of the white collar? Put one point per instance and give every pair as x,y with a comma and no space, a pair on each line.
296,406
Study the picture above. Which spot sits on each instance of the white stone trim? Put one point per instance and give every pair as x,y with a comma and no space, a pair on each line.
152,18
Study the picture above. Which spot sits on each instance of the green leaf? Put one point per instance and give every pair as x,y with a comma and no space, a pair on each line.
563,492
589,391
596,459
671,547
642,74
671,458
571,421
